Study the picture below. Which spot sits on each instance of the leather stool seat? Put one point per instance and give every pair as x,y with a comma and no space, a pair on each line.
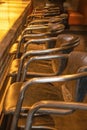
34,94
34,67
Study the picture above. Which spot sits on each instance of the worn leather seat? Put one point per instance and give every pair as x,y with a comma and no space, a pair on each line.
64,90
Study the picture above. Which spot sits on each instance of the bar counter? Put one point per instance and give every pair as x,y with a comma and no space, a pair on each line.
13,15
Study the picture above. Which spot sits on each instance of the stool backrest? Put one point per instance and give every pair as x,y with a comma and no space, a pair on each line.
64,40
77,63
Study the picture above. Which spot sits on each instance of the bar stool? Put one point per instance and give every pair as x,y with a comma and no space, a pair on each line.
28,36
68,88
47,66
